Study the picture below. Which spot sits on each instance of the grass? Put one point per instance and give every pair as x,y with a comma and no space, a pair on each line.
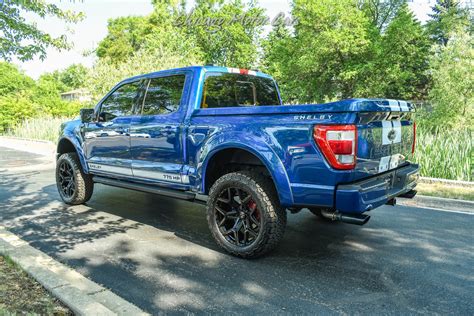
21,295
445,154
42,128
446,191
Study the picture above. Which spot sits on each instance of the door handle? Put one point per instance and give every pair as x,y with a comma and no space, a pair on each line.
123,130
168,129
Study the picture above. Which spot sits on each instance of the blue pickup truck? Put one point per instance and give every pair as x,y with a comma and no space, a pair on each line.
222,137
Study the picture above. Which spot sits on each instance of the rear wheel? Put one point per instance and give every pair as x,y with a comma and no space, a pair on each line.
74,186
244,214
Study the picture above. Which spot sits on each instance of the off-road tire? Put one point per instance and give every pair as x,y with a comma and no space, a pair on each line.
263,193
84,186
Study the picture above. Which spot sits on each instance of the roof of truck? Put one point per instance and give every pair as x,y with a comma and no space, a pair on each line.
210,68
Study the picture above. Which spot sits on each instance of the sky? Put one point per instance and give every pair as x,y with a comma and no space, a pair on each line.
86,34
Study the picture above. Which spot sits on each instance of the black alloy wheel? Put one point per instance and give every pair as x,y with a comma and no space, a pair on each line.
67,179
244,214
237,216
74,186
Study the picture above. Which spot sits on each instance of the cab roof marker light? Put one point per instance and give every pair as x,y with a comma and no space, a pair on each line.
241,71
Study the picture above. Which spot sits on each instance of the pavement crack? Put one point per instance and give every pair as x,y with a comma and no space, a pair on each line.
96,292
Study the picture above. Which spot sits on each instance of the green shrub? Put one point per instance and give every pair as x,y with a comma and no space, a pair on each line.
14,108
445,154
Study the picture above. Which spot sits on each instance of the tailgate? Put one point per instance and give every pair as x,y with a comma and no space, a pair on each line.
385,138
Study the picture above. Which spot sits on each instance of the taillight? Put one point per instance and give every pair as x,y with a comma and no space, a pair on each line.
338,143
414,138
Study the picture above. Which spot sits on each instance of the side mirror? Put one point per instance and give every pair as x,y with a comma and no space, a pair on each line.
87,115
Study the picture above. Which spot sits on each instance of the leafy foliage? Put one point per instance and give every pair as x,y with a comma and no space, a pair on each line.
15,108
105,74
128,35
452,93
24,40
233,40
276,60
381,12
398,66
125,36
339,51
73,77
448,17
13,80
326,53
22,98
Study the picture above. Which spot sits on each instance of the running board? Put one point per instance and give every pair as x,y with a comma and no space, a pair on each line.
184,195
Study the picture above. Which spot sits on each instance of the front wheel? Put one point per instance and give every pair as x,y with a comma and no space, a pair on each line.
244,214
74,186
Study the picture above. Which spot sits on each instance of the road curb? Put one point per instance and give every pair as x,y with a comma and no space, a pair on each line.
456,183
81,295
438,203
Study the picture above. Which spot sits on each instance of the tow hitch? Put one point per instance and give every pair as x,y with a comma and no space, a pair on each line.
356,219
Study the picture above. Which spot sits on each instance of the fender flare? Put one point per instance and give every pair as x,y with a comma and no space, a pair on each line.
263,152
77,147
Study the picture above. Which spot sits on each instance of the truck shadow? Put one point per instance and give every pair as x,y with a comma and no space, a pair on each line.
158,253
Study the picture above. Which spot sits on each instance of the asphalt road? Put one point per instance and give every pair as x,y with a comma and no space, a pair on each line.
158,253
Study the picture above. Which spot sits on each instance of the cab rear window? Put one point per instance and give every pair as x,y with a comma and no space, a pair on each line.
233,90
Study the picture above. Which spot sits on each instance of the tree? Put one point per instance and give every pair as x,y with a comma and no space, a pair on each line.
381,12
155,32
227,33
72,77
399,68
217,32
105,74
21,97
447,17
452,93
125,36
15,96
326,55
46,94
24,40
276,57
337,51
13,80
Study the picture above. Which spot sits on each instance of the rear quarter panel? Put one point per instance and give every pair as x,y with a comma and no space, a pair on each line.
283,142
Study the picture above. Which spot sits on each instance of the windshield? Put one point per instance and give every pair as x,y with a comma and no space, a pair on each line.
231,90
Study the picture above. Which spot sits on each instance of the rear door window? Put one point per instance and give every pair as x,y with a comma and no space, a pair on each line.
163,95
232,90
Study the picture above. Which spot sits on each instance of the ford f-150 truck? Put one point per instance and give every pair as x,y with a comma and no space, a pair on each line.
222,137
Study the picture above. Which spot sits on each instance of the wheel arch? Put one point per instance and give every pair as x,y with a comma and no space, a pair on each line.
264,157
67,145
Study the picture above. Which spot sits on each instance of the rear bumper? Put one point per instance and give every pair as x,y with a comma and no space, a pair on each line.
368,194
